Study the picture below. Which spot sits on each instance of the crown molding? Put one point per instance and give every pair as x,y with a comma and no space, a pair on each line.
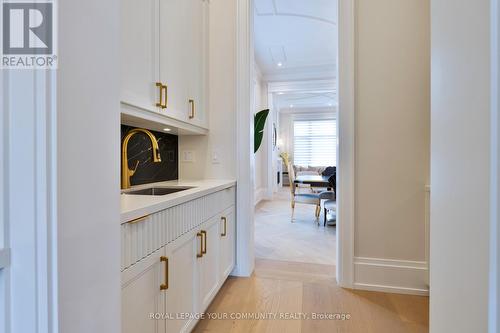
309,110
315,86
321,72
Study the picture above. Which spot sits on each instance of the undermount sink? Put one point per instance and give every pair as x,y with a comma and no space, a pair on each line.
158,190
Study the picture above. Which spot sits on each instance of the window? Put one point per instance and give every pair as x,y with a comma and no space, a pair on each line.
315,142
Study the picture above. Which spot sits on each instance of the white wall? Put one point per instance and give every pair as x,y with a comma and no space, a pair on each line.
222,102
460,166
392,141
285,134
88,166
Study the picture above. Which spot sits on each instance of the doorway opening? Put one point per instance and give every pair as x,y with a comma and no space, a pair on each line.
294,76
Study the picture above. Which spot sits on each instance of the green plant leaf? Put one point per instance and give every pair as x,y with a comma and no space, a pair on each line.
259,124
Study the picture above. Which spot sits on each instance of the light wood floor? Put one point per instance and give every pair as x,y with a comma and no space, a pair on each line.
295,274
281,287
302,241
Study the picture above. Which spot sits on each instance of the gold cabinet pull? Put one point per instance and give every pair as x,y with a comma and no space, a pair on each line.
159,104
199,255
225,226
193,110
204,249
139,219
165,260
165,96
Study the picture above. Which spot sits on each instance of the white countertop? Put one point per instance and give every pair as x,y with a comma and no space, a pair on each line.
135,206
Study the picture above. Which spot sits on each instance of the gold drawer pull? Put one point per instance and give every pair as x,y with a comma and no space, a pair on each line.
159,104
199,255
193,110
225,226
204,249
139,219
165,260
165,96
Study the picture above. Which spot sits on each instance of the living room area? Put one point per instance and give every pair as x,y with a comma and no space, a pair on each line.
298,224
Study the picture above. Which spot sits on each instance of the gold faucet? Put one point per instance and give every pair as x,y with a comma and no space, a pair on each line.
126,172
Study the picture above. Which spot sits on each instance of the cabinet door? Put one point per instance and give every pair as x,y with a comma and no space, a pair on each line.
227,242
174,40
139,53
209,263
182,283
142,297
197,55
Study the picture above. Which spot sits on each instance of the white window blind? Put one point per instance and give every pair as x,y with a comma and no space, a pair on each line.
315,142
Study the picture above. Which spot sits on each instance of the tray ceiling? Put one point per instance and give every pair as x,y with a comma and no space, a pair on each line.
296,39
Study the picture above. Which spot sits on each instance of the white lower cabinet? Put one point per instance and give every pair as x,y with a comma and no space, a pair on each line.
208,263
227,243
165,290
181,294
142,298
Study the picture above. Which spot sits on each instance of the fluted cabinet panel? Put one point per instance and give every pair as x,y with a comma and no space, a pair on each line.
141,239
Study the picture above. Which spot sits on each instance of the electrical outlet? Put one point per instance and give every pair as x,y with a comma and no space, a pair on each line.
215,157
188,156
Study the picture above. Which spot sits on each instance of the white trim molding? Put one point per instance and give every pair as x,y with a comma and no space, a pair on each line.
302,86
31,224
244,125
494,278
428,230
392,276
346,144
261,194
4,258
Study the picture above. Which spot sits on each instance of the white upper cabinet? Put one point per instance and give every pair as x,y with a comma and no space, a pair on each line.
139,53
164,49
174,44
197,64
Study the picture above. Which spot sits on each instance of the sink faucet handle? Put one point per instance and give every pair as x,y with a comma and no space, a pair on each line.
132,171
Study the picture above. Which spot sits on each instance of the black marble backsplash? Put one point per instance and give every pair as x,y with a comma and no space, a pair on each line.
140,149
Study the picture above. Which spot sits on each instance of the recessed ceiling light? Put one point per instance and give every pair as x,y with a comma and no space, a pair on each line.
280,64
291,105
280,93
167,129
330,104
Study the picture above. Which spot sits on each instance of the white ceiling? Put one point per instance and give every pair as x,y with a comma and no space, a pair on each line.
296,39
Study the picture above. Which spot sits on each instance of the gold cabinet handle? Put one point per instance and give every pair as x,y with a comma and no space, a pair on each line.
199,255
204,249
159,104
165,260
138,220
165,96
193,110
225,226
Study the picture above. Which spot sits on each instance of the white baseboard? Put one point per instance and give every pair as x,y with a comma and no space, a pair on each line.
392,276
260,194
